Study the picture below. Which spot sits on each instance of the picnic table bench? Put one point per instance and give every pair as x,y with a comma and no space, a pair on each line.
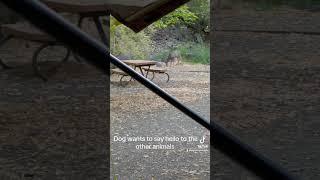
119,72
22,30
85,9
140,64
28,32
145,67
158,70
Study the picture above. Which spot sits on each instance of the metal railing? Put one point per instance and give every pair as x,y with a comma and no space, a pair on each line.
96,54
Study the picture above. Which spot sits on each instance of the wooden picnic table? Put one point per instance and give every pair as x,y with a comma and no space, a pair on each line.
140,64
85,9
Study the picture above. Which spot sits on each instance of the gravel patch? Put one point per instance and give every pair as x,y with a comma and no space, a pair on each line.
137,112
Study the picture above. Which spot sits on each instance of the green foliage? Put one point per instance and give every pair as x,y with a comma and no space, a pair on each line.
195,15
195,53
181,15
114,23
161,56
190,53
125,42
201,8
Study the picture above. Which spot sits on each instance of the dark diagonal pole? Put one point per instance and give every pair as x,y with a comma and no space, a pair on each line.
96,54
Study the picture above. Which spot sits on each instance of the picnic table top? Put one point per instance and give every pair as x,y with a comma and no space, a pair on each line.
140,62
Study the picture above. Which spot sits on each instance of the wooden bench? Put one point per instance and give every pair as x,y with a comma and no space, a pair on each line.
26,31
152,70
119,72
158,70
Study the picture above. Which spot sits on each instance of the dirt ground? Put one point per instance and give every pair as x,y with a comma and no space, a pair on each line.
265,88
137,112
53,130
58,129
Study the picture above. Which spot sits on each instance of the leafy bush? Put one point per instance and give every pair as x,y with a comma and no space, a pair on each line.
201,8
161,56
181,15
191,53
195,53
125,42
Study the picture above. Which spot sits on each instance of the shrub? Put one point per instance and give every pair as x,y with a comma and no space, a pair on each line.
195,53
191,53
125,42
